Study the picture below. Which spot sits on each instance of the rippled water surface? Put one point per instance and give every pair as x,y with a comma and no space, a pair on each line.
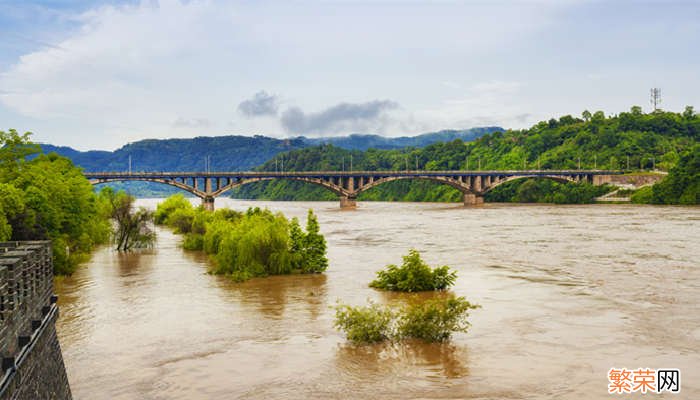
567,293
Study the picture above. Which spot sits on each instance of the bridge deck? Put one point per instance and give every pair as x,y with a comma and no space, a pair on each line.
310,174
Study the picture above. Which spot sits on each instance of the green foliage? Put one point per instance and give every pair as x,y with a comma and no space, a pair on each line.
314,247
643,195
167,207
435,320
251,244
47,197
682,185
368,324
414,275
431,321
131,226
547,191
596,141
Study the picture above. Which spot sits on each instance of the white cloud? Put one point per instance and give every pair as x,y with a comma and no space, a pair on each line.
161,68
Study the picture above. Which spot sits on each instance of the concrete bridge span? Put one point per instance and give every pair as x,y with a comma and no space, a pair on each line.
347,184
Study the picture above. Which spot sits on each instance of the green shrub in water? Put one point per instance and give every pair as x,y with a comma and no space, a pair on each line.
414,275
435,320
431,321
368,324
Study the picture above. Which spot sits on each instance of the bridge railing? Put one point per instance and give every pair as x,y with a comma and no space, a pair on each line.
214,174
26,295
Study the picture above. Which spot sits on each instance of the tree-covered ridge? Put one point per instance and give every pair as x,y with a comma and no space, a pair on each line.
631,139
48,198
228,153
682,186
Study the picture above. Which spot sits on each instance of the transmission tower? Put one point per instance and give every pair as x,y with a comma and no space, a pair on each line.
655,98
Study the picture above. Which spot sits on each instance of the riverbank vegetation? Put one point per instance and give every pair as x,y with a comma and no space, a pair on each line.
630,141
414,275
434,320
681,186
130,228
47,197
246,245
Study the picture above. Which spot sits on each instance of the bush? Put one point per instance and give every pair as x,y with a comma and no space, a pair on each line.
167,207
193,241
414,275
431,321
643,195
369,324
245,245
435,320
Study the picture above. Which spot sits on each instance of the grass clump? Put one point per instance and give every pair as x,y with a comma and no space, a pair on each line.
431,321
414,275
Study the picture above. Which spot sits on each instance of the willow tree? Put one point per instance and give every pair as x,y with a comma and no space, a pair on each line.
131,226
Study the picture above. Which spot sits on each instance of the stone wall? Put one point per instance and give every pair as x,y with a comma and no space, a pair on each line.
629,180
32,364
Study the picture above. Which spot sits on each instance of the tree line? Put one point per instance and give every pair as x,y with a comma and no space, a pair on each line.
629,141
47,197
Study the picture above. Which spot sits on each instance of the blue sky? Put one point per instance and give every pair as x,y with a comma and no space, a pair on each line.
99,74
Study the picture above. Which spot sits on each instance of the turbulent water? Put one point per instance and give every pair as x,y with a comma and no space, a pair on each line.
567,292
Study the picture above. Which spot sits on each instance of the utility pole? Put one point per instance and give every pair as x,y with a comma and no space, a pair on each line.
275,164
416,163
350,162
129,164
406,157
281,164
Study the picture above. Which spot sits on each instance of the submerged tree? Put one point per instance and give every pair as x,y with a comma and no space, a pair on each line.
131,226
315,259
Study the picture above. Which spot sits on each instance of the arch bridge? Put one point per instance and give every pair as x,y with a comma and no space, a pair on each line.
347,184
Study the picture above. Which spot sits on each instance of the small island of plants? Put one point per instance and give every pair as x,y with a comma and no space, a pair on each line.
414,275
245,245
432,321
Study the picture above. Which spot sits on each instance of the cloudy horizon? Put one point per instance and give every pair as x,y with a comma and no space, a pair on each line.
99,74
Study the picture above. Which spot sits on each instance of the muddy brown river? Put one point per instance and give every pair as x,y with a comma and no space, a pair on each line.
568,292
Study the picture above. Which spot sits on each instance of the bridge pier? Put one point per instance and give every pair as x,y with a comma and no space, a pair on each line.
470,199
347,202
208,203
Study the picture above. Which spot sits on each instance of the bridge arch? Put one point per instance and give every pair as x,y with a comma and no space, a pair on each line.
339,190
499,182
459,185
169,182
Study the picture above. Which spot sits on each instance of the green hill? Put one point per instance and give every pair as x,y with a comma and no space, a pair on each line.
228,153
630,141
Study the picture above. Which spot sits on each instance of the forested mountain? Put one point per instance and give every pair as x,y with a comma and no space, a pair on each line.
364,142
227,153
235,153
631,140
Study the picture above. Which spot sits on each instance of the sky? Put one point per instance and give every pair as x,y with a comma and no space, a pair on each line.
100,74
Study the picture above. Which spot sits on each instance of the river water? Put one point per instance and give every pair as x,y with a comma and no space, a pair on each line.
567,292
